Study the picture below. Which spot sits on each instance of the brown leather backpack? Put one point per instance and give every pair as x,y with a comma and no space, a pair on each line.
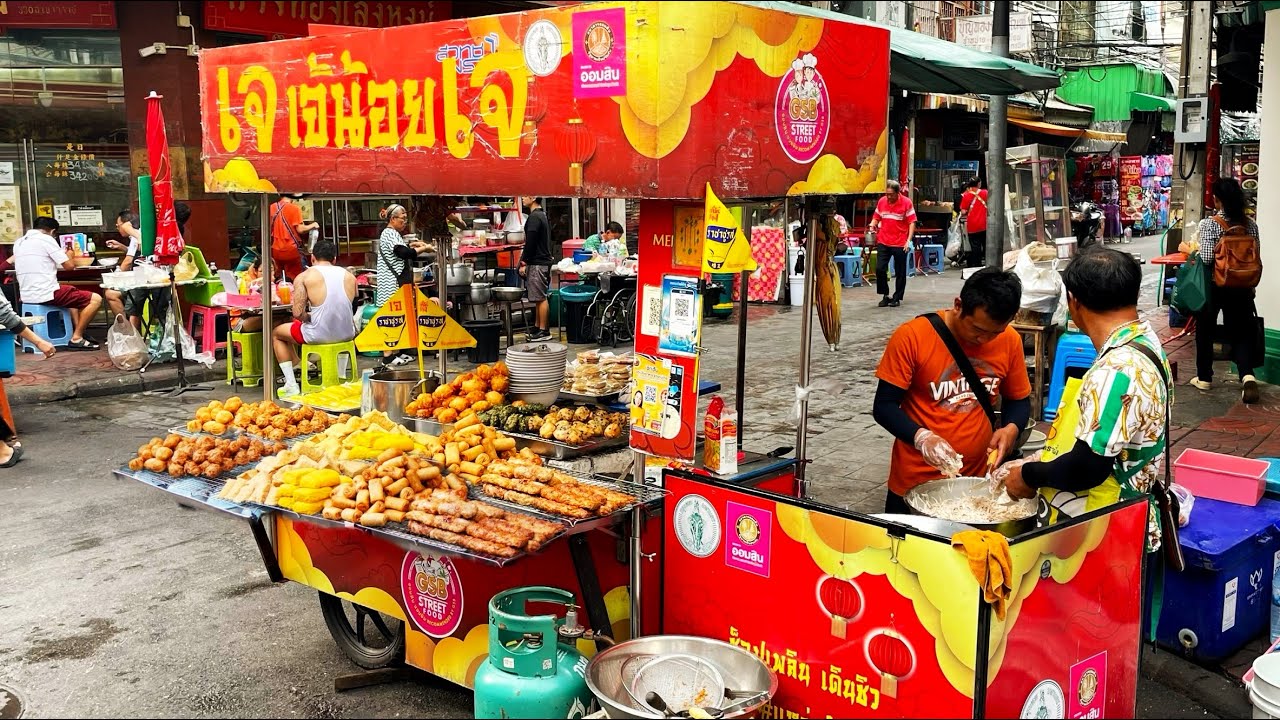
1237,258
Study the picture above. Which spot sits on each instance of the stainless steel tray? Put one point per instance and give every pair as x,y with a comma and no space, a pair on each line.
199,490
556,450
585,399
398,534
645,495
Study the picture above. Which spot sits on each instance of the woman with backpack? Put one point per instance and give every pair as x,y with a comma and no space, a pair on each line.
1229,251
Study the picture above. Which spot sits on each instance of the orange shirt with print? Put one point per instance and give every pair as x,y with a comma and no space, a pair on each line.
938,397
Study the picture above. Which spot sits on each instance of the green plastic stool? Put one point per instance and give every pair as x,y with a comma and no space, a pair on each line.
327,360
250,373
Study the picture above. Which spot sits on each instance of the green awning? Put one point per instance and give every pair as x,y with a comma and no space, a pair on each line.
1143,102
925,64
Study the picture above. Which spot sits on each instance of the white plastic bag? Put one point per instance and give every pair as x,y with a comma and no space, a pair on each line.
1042,286
162,346
955,242
1186,501
125,347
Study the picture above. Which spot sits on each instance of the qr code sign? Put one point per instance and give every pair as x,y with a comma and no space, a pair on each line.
651,394
651,315
683,307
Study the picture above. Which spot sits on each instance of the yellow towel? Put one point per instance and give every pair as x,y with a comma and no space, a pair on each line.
990,563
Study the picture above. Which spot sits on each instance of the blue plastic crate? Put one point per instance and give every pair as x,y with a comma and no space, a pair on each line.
1223,598
8,359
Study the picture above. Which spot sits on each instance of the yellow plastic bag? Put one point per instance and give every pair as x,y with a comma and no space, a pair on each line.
1062,437
186,268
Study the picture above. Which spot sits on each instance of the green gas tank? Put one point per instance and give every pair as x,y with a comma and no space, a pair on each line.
531,672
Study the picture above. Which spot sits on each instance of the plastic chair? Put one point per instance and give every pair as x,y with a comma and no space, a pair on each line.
328,359
250,372
933,257
8,357
215,323
848,265
56,328
1075,350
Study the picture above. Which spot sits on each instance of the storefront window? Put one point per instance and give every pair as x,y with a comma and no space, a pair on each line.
63,139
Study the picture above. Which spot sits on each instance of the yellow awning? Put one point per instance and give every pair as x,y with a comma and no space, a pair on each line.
1063,131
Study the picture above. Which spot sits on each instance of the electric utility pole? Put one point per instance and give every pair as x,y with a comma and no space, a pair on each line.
997,139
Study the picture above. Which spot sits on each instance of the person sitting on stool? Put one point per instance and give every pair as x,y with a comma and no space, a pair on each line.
322,298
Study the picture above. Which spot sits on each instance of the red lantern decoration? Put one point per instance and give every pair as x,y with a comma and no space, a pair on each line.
577,145
891,657
842,602
535,110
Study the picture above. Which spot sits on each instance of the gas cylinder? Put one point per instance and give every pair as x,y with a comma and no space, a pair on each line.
534,670
367,311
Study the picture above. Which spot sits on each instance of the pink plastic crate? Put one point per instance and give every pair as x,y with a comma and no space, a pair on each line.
1221,477
244,301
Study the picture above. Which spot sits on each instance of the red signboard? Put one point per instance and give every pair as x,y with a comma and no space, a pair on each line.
290,19
858,620
655,100
44,14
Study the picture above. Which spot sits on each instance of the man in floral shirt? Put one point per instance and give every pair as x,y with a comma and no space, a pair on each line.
1120,437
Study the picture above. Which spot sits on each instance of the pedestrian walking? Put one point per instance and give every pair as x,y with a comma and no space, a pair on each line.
973,211
894,225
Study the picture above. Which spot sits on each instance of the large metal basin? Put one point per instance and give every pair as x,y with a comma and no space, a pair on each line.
391,390
921,495
741,671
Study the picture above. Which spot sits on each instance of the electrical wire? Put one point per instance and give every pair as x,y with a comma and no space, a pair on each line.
1182,149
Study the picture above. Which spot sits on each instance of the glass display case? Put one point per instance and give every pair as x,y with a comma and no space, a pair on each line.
1240,161
1037,193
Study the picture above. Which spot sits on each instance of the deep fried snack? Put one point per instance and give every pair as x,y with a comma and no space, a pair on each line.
576,497
443,522
464,541
524,486
495,530
543,530
538,503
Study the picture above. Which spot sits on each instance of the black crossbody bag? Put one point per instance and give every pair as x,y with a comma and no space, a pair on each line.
966,368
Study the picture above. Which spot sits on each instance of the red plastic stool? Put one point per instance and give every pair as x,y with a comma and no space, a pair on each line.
211,333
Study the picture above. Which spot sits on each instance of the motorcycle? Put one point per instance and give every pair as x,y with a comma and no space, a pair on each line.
1086,221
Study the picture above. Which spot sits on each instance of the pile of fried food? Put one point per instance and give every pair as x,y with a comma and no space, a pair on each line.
597,373
266,419
215,417
205,456
399,486
550,491
571,425
475,391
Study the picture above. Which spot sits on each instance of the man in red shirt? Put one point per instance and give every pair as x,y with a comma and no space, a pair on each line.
973,210
287,229
894,224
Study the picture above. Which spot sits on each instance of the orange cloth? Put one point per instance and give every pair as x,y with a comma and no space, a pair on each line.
990,563
938,397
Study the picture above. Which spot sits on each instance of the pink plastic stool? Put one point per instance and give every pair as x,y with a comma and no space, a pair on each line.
211,334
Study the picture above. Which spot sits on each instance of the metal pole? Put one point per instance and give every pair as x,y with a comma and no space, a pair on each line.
268,351
997,142
741,400
442,291
1189,158
806,335
636,551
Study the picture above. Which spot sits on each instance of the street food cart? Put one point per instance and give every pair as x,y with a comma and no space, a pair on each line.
658,102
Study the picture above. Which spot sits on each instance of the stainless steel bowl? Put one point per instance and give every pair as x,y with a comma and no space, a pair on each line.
457,274
507,294
923,495
924,523
480,293
741,671
515,237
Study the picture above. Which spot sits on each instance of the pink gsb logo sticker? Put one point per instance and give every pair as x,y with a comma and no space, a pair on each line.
432,593
802,112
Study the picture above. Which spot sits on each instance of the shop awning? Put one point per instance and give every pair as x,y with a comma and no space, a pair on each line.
1064,131
1143,102
925,64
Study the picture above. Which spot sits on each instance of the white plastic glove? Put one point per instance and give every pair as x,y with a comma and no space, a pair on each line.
1001,474
938,452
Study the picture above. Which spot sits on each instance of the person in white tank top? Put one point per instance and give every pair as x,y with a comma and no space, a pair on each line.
322,311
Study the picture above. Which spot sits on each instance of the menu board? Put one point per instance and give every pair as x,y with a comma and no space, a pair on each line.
10,213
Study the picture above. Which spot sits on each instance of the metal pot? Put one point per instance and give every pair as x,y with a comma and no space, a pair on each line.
480,293
391,390
741,671
923,495
507,294
515,237
458,274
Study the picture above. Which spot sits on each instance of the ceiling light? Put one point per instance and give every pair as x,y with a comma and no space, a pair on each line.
152,49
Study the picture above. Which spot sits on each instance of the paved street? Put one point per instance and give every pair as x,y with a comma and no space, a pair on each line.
120,603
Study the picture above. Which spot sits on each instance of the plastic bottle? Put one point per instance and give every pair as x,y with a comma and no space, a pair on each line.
1275,598
92,249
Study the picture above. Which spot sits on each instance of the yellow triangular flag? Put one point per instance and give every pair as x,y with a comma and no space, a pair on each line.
726,249
393,326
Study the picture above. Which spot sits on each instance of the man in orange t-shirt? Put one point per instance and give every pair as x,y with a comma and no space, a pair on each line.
924,400
287,230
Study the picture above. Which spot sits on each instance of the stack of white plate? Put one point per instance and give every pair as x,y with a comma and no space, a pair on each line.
537,371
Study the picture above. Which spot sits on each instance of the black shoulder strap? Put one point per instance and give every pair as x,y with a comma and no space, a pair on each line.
966,366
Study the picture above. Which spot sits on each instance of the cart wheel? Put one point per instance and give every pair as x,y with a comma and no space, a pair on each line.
367,637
